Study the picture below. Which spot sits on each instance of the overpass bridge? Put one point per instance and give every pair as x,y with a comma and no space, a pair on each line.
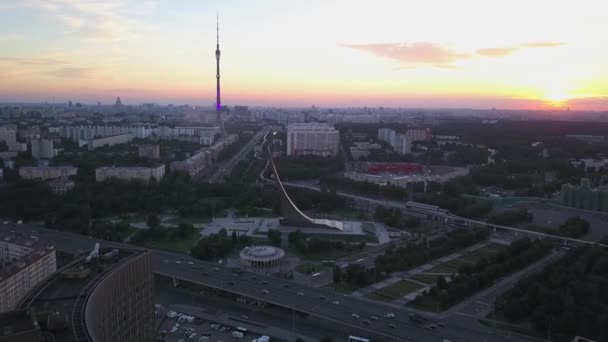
495,227
287,294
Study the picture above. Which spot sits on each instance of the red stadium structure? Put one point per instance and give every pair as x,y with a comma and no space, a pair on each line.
395,168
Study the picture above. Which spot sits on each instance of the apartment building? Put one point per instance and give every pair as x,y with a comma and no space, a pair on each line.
312,138
26,263
144,174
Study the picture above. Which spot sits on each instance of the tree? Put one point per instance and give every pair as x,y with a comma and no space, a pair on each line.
153,221
275,236
441,282
337,274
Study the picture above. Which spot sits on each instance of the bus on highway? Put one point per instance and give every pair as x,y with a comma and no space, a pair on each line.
357,339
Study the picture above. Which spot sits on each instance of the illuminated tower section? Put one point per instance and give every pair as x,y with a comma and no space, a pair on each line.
218,100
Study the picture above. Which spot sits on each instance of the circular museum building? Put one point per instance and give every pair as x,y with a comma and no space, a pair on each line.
262,256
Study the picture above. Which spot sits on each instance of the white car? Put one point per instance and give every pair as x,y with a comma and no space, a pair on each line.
336,302
354,316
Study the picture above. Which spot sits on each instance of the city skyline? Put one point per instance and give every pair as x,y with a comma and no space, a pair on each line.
391,53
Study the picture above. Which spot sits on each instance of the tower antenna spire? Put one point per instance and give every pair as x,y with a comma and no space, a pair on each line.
218,103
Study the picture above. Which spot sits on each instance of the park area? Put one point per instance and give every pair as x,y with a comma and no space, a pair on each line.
394,291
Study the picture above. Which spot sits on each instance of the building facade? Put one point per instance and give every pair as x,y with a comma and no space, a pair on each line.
42,148
77,133
318,139
121,308
419,134
400,143
144,174
26,263
106,141
47,172
204,135
584,196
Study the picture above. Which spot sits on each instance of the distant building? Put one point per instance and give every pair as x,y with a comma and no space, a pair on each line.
26,263
148,151
61,185
106,141
194,164
400,143
203,157
47,172
42,148
590,163
9,136
418,134
242,112
585,197
144,174
312,138
77,133
587,138
203,135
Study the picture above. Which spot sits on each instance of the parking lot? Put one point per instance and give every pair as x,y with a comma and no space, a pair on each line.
177,326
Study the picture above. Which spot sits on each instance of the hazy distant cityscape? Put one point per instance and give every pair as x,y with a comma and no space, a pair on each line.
253,218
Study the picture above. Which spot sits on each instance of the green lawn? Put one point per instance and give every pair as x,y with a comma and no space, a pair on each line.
451,266
430,279
486,251
180,246
394,291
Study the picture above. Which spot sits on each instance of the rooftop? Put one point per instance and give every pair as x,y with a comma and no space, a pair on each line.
38,251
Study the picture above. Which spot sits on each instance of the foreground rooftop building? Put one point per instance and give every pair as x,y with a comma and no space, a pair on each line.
26,262
106,296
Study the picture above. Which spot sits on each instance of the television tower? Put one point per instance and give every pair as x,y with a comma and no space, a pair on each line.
218,103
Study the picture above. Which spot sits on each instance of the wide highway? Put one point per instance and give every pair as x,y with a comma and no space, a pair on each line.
227,167
323,303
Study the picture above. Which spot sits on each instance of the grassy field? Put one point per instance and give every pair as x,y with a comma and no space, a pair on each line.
180,246
486,251
430,279
471,258
394,291
451,266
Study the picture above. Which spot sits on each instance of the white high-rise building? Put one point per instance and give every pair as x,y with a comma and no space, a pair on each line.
312,139
42,149
401,143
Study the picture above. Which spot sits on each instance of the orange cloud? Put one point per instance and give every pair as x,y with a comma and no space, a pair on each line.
420,53
496,52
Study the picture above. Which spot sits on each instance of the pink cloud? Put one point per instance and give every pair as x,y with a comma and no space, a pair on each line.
420,53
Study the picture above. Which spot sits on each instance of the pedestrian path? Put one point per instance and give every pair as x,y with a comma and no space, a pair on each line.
406,275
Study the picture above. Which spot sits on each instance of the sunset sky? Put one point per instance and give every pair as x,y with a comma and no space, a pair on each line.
432,53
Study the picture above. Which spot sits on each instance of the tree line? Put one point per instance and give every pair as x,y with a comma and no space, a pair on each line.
486,271
401,258
567,298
